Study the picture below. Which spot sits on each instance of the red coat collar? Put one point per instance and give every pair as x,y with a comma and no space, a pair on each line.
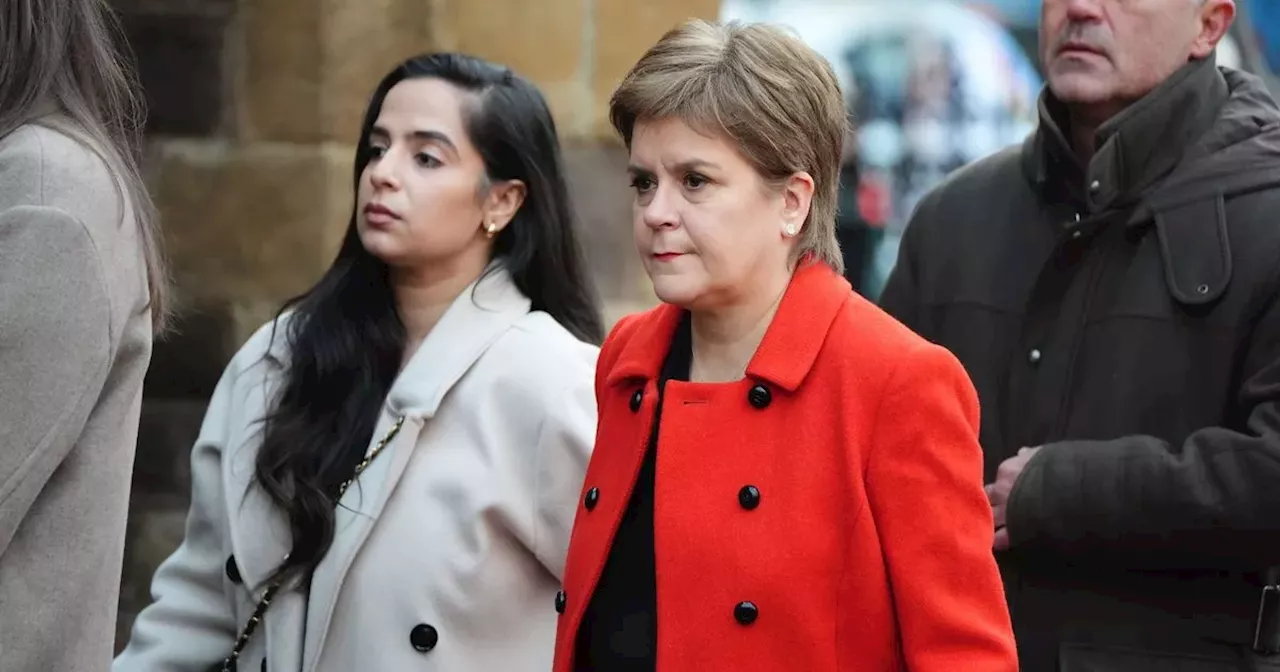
790,344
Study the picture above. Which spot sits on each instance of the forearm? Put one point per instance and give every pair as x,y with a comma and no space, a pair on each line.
1214,498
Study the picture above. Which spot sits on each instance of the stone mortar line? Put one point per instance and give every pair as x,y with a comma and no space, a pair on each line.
213,150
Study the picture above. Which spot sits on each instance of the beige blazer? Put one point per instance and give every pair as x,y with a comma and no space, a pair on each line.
75,343
74,347
454,536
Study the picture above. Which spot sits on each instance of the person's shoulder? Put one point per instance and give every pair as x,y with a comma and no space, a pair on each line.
624,331
876,334
541,351
265,350
996,172
870,341
970,206
52,165
21,165
538,329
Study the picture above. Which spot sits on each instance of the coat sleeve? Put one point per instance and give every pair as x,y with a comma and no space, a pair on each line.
190,624
924,487
55,350
1214,498
564,447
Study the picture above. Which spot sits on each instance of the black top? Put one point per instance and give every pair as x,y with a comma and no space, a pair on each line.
619,631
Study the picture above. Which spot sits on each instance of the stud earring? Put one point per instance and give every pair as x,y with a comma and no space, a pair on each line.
789,229
491,229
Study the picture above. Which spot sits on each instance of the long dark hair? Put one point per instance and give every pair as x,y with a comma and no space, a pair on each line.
72,58
345,338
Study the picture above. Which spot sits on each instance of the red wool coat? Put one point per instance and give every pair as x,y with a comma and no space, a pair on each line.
866,543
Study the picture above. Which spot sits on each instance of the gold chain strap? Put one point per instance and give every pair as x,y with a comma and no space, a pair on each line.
229,663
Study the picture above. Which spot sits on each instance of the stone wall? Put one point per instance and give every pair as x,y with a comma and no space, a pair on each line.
255,106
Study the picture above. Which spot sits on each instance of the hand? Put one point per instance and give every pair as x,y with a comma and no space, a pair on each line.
998,493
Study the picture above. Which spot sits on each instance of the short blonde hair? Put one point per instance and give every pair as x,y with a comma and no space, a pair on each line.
760,86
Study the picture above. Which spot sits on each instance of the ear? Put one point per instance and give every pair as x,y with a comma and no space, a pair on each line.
797,197
1216,17
502,203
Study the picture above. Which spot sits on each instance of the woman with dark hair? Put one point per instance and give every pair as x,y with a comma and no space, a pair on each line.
443,370
82,295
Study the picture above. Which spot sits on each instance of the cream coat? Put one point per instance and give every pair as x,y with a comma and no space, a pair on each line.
75,343
461,524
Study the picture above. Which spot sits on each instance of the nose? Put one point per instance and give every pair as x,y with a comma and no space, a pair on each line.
1083,10
660,211
382,174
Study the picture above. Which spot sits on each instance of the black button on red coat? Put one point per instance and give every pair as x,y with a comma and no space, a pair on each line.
749,497
759,396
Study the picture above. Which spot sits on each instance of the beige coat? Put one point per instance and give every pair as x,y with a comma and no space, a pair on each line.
460,526
75,343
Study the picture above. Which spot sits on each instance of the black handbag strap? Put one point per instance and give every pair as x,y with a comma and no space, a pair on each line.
230,663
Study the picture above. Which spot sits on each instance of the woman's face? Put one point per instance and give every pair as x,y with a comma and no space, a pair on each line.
710,231
423,199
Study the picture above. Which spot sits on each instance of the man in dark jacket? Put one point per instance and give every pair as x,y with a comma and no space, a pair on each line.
1112,286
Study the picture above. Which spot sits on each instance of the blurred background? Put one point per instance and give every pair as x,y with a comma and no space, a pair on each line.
255,107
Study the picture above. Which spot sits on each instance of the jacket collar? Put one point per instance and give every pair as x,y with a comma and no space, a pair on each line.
1136,148
1241,151
790,346
475,320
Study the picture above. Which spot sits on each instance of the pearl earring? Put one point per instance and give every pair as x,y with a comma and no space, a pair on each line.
491,229
789,229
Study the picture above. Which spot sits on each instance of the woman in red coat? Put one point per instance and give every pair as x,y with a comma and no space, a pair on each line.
784,477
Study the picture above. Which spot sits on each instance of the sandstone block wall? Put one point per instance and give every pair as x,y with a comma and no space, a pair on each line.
255,106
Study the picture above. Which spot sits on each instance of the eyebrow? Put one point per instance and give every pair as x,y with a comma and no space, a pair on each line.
422,136
692,165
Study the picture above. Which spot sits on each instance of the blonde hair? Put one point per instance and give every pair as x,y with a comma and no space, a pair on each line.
764,88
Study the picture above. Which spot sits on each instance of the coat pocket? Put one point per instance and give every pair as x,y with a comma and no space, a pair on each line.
1094,658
